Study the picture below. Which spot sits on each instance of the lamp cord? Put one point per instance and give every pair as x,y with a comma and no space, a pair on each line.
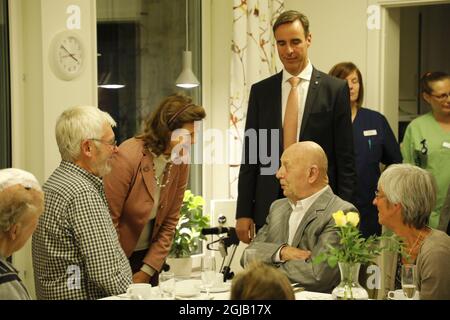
187,26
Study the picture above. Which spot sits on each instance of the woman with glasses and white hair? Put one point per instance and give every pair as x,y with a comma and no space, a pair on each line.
405,198
21,204
427,138
146,185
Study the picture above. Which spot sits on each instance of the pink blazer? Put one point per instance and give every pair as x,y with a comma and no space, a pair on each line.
129,189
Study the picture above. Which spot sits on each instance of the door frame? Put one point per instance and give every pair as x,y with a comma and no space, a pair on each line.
383,53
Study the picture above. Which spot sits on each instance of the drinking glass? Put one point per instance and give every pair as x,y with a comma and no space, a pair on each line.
409,280
208,273
167,285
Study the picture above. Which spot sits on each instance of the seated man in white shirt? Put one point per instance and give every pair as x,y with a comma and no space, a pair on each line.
300,227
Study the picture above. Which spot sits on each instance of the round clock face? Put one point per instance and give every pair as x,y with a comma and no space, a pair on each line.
67,55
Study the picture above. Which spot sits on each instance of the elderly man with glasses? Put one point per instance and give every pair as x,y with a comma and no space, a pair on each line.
76,251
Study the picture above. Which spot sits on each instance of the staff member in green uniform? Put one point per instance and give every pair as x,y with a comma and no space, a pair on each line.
427,138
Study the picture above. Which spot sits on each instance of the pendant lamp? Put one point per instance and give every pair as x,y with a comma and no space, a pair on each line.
187,78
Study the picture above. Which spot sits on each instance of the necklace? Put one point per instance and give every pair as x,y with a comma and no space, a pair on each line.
412,250
159,180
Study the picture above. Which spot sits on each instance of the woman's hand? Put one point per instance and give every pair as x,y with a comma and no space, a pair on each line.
141,277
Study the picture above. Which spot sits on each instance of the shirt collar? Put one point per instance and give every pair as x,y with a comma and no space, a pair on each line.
96,181
306,74
304,204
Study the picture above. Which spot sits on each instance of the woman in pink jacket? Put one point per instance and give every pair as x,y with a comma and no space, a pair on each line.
147,182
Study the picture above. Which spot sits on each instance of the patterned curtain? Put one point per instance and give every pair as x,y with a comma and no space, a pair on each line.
253,58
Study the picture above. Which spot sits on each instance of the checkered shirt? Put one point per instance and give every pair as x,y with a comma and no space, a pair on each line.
76,251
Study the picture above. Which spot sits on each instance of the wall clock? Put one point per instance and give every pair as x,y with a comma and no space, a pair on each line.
67,55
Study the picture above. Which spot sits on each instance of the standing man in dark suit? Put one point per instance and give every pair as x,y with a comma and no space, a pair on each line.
300,103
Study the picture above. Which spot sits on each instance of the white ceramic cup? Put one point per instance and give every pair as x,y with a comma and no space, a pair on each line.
399,295
140,291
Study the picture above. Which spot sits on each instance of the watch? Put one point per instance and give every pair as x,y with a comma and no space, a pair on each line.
67,55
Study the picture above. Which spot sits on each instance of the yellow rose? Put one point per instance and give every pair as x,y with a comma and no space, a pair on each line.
339,218
353,218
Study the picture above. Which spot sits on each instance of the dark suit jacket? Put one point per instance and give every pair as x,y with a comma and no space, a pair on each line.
326,121
316,230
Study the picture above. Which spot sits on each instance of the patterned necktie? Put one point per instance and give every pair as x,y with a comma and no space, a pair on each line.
291,114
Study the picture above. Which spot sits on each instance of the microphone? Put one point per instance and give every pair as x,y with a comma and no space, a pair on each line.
215,230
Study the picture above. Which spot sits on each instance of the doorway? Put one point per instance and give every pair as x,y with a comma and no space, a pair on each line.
384,50
425,50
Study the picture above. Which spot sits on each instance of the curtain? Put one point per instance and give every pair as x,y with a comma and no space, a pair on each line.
253,58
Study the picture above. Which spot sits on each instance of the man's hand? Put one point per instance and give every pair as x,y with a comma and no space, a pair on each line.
291,253
141,277
245,229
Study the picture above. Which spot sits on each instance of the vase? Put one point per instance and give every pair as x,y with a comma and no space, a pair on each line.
349,288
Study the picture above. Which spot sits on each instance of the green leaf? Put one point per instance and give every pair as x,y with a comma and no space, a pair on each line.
187,237
332,261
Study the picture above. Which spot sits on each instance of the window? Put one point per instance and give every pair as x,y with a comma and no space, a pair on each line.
140,45
5,101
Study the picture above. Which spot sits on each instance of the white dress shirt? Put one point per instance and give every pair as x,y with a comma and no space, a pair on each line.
303,87
298,213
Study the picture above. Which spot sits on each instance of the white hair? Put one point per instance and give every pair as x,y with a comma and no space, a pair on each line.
19,192
13,176
77,124
412,187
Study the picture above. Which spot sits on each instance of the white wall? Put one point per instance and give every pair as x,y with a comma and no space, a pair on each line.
338,31
217,37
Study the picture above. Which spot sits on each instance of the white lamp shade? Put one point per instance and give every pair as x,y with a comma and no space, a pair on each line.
187,78
111,81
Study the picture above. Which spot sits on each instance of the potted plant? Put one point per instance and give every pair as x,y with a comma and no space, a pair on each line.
187,238
353,250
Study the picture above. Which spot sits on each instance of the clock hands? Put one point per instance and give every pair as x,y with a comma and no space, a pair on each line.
70,54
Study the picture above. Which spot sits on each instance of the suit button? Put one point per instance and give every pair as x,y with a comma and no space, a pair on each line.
146,169
161,206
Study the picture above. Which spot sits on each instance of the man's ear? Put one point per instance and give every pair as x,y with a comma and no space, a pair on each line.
308,40
86,148
313,173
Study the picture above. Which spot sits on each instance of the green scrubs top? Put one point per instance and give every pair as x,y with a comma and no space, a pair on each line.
427,145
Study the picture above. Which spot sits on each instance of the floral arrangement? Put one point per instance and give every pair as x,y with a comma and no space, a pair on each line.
188,235
353,248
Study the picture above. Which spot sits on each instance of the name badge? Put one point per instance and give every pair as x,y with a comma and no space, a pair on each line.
369,133
446,144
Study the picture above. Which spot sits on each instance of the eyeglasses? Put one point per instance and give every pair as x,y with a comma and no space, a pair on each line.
378,195
441,97
112,144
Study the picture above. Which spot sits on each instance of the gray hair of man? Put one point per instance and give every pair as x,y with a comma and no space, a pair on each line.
413,188
19,192
77,124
